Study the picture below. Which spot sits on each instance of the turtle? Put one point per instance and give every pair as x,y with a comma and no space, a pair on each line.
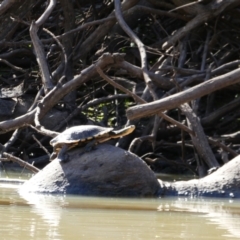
84,135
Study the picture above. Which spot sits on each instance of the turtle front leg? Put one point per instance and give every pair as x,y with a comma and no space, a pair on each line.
62,155
91,145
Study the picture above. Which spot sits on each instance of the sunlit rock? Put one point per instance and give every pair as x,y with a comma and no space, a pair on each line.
225,182
105,171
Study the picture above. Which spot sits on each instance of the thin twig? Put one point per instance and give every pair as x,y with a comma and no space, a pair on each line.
12,66
12,139
223,146
22,163
39,127
40,144
62,48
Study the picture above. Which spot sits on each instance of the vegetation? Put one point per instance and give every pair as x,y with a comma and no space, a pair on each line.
168,67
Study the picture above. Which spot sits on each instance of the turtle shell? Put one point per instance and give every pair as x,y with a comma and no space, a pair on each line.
80,134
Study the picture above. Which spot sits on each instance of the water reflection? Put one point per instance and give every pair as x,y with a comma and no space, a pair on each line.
224,214
32,216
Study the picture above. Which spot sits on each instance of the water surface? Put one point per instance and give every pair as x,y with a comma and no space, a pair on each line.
42,217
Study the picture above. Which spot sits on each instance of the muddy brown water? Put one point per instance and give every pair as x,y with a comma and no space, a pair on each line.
32,216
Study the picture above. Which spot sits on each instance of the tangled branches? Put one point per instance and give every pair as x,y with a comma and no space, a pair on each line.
172,64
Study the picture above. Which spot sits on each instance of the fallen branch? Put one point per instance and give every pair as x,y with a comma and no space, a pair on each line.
177,99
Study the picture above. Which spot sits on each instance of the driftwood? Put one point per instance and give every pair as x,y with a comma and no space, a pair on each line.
168,67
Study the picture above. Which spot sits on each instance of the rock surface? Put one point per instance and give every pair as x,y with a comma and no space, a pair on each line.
111,171
105,171
223,183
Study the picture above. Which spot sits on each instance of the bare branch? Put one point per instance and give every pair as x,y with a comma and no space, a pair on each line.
41,146
58,93
102,30
5,5
46,13
46,77
12,66
199,140
21,162
140,45
141,101
177,99
213,9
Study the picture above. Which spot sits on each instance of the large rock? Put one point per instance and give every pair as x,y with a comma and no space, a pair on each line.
106,171
111,171
223,183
